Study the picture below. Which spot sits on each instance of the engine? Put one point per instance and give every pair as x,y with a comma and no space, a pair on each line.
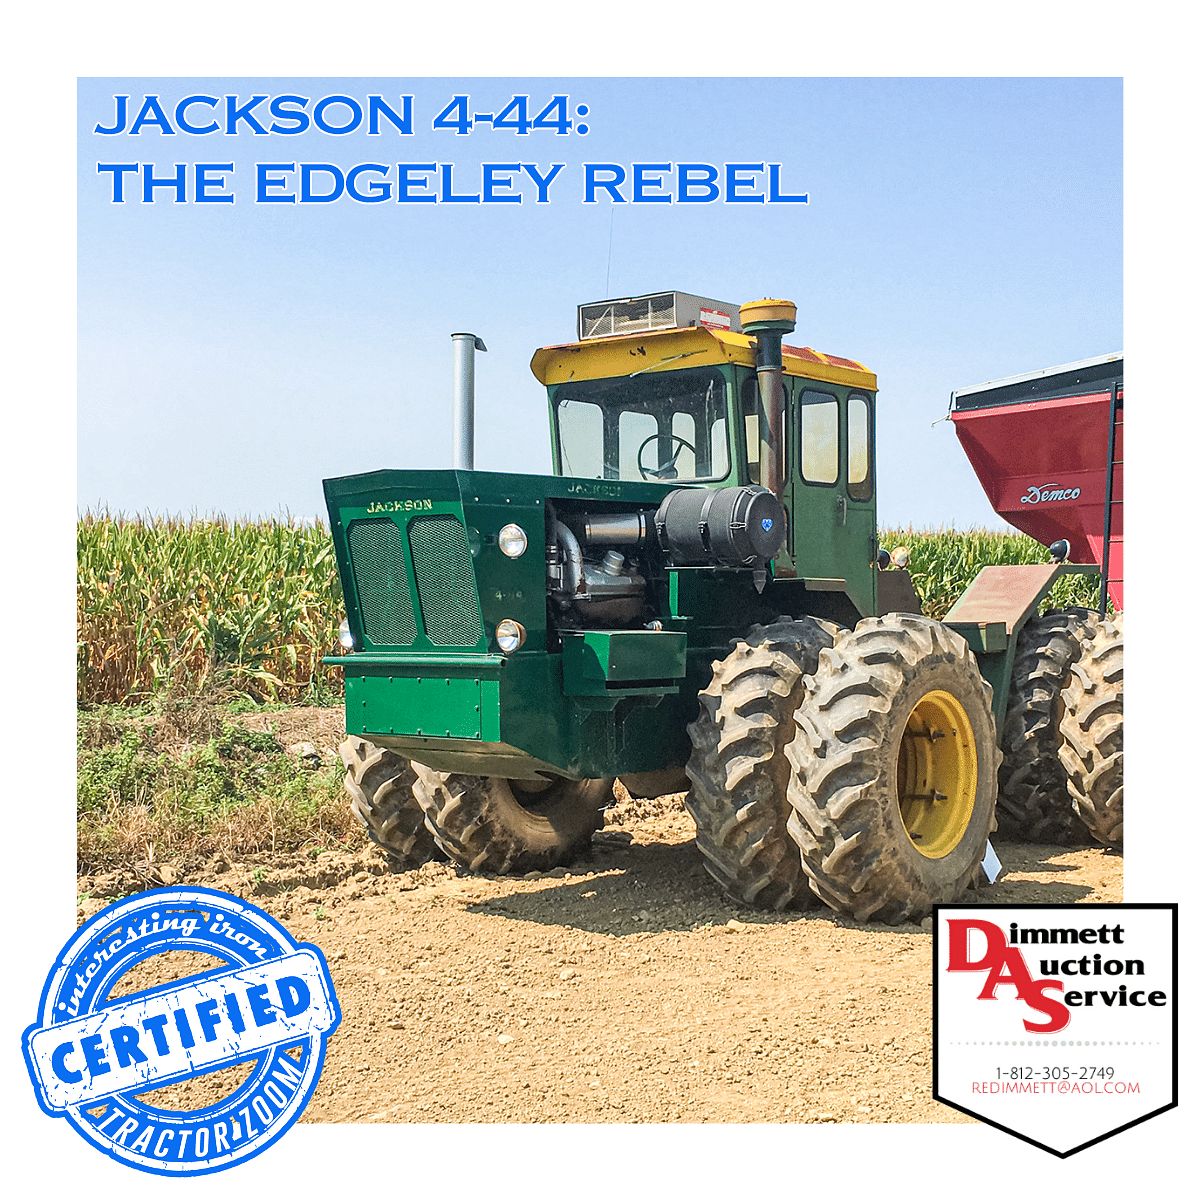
597,563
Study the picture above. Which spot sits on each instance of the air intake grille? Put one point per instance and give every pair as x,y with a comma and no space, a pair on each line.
630,316
377,559
662,310
445,580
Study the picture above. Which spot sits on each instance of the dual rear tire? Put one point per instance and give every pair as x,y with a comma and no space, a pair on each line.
1034,805
1092,749
1062,778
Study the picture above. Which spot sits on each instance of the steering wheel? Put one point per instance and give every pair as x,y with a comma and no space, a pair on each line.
648,472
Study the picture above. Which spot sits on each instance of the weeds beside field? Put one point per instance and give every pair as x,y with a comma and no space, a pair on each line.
165,780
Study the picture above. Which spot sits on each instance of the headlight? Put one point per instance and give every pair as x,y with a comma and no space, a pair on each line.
512,540
510,635
344,634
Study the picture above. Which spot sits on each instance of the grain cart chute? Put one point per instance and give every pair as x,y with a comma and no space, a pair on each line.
696,597
1048,447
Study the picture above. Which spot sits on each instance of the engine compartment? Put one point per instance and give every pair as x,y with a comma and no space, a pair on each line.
600,565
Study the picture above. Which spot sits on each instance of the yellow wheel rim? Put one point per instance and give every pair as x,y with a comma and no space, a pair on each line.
937,774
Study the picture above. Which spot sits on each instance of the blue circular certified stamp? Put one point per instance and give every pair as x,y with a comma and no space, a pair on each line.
94,1052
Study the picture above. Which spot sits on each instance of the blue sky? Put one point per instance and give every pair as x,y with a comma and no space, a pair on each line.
233,355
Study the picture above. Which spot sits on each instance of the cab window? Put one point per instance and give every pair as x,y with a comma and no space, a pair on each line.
818,437
859,482
750,415
754,419
667,426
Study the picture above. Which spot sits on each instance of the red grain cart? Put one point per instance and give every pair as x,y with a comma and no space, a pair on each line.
1048,449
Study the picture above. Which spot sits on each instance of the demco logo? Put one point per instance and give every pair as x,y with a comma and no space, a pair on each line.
1044,493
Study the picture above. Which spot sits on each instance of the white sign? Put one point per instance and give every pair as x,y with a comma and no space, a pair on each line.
1056,1022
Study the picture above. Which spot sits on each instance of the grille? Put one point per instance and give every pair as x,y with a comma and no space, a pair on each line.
662,310
631,316
445,580
384,598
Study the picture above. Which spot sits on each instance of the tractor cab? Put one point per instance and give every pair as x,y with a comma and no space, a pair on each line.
681,389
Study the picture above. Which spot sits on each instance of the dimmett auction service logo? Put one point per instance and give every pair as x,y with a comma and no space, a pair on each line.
1056,1022
100,1051
1003,960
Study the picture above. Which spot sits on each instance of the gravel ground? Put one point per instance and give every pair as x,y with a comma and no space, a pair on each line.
624,989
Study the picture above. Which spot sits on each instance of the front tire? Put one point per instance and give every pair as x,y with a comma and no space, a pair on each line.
380,783
894,764
500,826
738,768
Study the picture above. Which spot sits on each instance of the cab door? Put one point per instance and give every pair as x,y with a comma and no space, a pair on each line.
832,489
860,530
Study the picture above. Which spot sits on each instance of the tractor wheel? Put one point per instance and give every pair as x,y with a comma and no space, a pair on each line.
894,770
1033,804
1092,751
500,826
380,783
738,768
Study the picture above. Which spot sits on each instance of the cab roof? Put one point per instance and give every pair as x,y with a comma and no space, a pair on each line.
628,354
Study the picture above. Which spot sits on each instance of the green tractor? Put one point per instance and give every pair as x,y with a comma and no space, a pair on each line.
695,600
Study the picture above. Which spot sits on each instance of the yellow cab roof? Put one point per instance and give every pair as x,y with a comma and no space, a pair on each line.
696,346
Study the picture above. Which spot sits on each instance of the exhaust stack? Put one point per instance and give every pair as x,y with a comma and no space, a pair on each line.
465,345
767,321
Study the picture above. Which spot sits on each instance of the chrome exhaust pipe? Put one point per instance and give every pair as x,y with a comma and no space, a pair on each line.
463,400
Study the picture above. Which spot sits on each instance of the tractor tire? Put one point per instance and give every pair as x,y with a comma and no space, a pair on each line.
380,783
894,763
1092,751
497,826
738,768
1033,804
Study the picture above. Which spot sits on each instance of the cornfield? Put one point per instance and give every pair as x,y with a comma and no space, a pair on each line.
164,603
944,561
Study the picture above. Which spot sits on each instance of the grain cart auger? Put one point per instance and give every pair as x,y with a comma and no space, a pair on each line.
696,597
1048,447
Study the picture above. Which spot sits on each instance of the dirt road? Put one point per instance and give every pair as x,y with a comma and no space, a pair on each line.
625,989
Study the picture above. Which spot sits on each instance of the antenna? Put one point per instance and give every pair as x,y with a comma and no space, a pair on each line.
612,214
